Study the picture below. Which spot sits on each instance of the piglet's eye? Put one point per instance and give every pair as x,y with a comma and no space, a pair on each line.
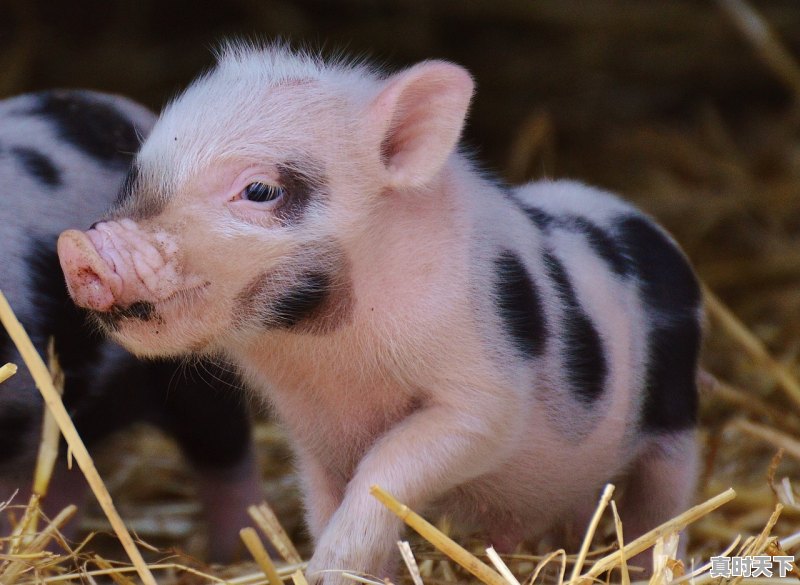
262,192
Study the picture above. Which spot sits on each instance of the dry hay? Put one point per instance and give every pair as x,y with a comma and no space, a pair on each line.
730,194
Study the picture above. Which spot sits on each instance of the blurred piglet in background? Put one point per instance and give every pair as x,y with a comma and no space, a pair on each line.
63,157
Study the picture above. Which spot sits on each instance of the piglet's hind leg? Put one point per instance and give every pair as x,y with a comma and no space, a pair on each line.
661,485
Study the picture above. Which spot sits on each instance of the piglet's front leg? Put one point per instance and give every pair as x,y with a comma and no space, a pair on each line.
428,453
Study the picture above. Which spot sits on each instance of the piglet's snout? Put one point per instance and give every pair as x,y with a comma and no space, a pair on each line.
92,283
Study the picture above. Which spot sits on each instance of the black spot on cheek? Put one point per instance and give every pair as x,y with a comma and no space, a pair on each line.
519,305
584,359
95,127
38,165
300,302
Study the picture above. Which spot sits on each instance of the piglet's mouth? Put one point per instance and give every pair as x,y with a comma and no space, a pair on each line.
147,311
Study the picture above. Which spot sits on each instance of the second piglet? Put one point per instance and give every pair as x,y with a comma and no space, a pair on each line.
63,157
495,353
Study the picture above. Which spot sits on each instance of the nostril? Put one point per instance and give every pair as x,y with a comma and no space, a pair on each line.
87,279
94,225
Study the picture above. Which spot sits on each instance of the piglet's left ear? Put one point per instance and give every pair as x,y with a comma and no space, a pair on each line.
416,120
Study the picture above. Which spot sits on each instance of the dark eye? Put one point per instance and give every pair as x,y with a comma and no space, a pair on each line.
262,192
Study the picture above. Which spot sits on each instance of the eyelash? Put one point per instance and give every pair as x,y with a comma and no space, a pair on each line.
264,192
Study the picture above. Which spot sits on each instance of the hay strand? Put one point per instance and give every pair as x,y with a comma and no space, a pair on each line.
7,371
260,555
769,46
608,491
48,445
501,567
410,562
443,543
268,522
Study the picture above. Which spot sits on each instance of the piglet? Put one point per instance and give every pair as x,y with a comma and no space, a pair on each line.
495,353
63,156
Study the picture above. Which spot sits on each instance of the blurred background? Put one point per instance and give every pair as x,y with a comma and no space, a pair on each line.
687,107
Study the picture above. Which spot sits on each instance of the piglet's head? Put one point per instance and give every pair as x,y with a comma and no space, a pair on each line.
247,206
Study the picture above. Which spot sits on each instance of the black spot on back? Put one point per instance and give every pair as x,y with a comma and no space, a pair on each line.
303,181
38,165
541,219
600,241
584,359
671,294
668,282
519,305
96,128
300,302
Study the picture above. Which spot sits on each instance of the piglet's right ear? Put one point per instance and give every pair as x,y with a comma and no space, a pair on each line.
416,120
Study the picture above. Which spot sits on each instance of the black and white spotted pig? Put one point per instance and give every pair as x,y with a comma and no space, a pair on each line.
499,353
63,156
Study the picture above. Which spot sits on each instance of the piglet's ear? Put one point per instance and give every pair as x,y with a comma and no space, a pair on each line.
417,118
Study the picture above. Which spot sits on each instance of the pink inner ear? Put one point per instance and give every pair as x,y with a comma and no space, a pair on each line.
422,111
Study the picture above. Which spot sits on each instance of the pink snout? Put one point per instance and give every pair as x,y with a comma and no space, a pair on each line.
92,283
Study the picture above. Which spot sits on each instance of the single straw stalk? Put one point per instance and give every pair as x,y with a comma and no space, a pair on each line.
438,539
45,385
608,491
7,371
260,555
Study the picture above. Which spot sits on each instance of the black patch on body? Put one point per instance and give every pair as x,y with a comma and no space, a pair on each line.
602,243
671,294
519,305
539,217
38,165
584,360
96,128
300,301
302,181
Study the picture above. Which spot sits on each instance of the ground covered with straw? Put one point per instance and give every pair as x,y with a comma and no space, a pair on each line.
724,179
